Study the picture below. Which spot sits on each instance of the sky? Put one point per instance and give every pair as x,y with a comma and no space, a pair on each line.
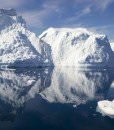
96,15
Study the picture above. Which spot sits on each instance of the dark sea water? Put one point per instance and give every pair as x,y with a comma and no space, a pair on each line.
55,99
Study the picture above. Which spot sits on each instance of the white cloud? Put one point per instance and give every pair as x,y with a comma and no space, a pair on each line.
11,3
105,29
74,19
36,17
102,4
84,12
97,4
89,6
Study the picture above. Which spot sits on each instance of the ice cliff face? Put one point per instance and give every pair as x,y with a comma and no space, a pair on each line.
18,46
78,47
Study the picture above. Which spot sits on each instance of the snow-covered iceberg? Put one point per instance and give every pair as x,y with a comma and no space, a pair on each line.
18,46
78,47
106,108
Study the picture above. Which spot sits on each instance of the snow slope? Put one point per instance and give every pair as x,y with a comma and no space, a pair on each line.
78,47
18,46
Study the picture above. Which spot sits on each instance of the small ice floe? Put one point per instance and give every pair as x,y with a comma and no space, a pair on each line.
106,108
74,106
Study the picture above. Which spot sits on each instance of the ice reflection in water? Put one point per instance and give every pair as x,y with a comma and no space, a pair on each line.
69,85
53,87
17,87
65,85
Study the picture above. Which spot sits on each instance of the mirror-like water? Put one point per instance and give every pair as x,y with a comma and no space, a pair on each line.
59,98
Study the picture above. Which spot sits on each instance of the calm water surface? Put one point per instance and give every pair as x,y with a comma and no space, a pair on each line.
55,99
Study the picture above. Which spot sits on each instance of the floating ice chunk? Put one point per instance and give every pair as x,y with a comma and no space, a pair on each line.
106,108
74,106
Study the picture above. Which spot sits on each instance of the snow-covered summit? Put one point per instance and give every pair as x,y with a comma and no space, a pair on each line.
77,47
8,18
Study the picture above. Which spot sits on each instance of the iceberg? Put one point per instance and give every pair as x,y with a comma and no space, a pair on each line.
78,47
18,46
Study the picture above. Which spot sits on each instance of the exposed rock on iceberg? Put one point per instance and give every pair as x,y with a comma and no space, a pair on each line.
78,47
18,46
106,108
